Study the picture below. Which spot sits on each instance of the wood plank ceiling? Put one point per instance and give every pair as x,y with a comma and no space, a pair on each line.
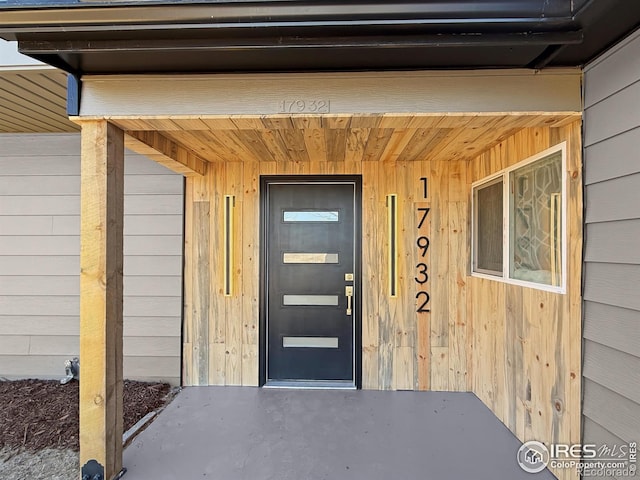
34,101
305,138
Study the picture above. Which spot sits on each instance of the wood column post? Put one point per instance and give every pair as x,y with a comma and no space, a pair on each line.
101,261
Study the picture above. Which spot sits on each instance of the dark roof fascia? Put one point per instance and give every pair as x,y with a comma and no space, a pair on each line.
465,16
589,12
607,25
109,37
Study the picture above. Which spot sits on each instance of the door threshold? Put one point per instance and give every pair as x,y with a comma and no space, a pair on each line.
311,384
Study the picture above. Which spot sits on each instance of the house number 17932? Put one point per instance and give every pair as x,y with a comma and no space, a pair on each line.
301,105
422,245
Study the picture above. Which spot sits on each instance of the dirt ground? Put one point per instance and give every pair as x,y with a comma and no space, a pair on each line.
39,429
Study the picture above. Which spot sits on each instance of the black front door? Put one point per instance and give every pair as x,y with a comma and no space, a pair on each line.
310,282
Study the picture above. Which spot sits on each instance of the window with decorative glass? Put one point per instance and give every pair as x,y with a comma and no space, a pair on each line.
519,222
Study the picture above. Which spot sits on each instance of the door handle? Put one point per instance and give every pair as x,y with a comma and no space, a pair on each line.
348,291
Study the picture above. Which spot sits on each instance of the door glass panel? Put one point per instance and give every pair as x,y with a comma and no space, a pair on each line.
325,300
311,216
310,342
290,257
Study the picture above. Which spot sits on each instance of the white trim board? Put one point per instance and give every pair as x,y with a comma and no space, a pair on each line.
478,91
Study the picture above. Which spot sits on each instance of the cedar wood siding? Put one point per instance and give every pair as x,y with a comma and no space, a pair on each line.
39,260
611,409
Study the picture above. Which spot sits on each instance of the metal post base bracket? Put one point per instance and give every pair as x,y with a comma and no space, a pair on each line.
92,470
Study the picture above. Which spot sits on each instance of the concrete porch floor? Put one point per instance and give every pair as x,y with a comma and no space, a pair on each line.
233,433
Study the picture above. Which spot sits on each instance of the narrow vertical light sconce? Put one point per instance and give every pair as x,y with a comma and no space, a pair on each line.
392,212
555,233
229,204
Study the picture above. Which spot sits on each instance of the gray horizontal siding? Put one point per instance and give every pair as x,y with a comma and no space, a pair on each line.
138,265
598,435
59,164
56,305
610,159
612,326
51,345
600,122
607,408
14,345
153,368
37,185
158,369
70,205
616,199
613,242
612,72
43,245
70,224
40,145
35,285
612,284
39,260
69,325
618,371
611,369
168,286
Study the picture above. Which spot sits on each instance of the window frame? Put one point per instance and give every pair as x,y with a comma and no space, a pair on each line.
485,182
505,175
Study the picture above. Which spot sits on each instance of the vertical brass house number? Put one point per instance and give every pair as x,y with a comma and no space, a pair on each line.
422,243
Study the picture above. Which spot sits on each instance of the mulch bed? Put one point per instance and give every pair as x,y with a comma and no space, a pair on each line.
38,414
